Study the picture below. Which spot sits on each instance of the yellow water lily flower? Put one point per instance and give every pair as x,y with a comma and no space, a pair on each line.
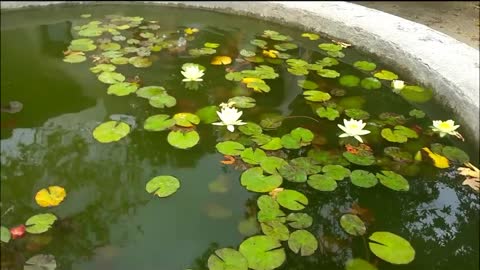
192,73
353,128
229,117
445,127
270,53
190,31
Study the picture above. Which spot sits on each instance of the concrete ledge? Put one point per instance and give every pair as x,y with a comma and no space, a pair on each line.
426,56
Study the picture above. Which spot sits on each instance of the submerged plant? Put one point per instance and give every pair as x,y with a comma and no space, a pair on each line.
229,116
353,128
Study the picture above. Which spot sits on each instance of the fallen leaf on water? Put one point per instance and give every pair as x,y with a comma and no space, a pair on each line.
364,213
228,160
473,176
18,231
438,160
275,192
51,197
343,44
221,60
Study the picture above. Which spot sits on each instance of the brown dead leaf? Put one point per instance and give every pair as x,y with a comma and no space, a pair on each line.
228,160
275,192
473,176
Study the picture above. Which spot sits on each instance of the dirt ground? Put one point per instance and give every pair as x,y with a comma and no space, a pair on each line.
458,19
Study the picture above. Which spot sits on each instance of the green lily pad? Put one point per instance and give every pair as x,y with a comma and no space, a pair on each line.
299,220
271,165
254,180
293,173
230,148
417,113
275,229
359,264
103,67
363,160
111,131
247,53
259,43
4,235
328,73
41,262
349,80
308,165
82,45
248,227
285,46
290,142
112,54
336,172
150,91
110,77
208,114
323,157
416,94
122,89
327,62
397,154
202,51
119,60
91,31
357,114
391,248
311,36
401,134
110,46
250,129
302,241
74,58
322,182
330,47
259,86
392,118
211,45
393,181
386,75
163,186
242,102
352,102
162,100
269,210
227,258
40,223
337,54
353,225
263,252
274,144
183,140
363,178
365,65
253,157
140,62
316,96
306,84
186,119
370,83
328,112
455,154
292,199
158,122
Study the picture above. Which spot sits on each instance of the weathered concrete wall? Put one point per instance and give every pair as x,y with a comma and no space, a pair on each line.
433,59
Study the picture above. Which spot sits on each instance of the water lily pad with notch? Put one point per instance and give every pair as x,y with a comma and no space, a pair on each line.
247,53
82,45
234,76
40,223
110,77
271,121
323,157
41,262
416,94
103,67
362,158
253,157
111,131
299,220
417,113
5,235
328,73
254,180
119,60
275,229
322,182
274,144
386,75
140,62
230,148
271,165
250,129
111,46
349,80
183,140
306,84
122,89
310,36
397,154
370,83
393,181
357,114
259,43
327,112
359,264
208,114
158,122
285,46
150,91
363,178
263,252
306,164
302,241
325,62
163,186
292,199
353,225
242,102
330,47
293,173
391,248
269,209
401,134
162,101
227,258
336,172
365,65
186,119
74,58
455,154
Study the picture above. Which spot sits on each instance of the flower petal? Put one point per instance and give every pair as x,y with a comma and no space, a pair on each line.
231,128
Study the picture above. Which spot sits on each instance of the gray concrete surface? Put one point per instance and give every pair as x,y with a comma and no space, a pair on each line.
421,54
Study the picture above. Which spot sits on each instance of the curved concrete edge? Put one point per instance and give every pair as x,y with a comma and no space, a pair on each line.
429,57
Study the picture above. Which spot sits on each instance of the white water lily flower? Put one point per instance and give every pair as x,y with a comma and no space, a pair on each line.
353,128
229,117
445,127
192,74
398,85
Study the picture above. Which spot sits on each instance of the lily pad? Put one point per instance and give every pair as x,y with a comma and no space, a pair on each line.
230,148
111,131
359,264
363,178
247,53
271,165
349,80
370,83
365,65
397,154
263,252
162,101
311,36
227,258
248,227
455,154
353,225
293,173
325,62
140,62
110,77
111,46
275,229
208,114
328,73
417,113
357,114
250,129
322,182
386,75
316,96
274,144
328,112
82,45
40,223
292,199
163,186
401,134
74,58
336,172
5,235
416,94
150,91
41,262
186,119
393,181
306,84
103,67
359,159
308,165
158,122
254,180
299,220
259,43
330,47
271,121
302,241
242,102
391,248
269,209
122,89
285,46
183,140
253,157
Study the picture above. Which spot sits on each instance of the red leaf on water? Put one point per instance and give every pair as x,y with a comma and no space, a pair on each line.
17,232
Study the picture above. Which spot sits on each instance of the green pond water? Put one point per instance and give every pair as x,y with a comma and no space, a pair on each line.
109,221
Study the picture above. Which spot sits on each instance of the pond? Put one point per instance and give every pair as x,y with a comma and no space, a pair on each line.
115,110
